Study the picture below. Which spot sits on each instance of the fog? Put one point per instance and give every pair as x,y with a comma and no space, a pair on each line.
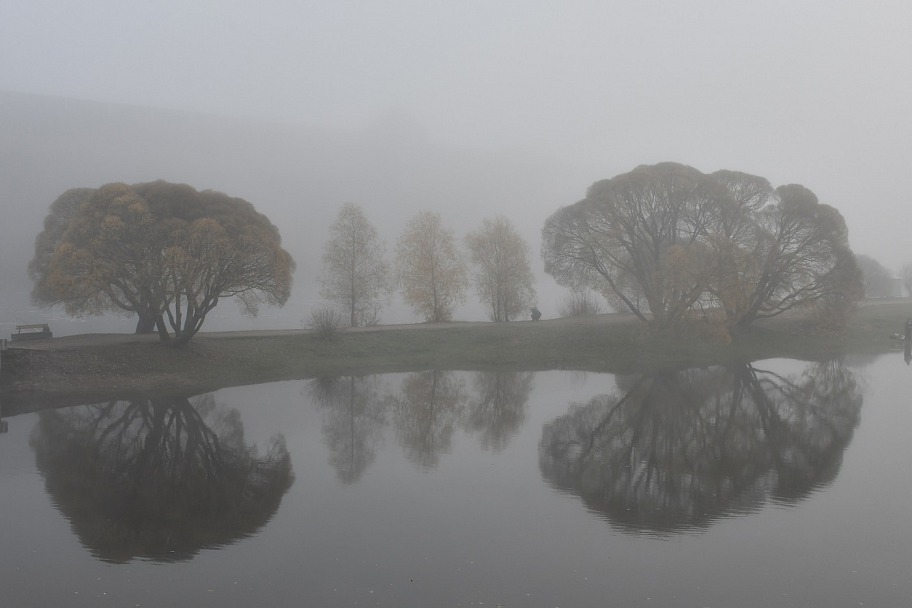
469,109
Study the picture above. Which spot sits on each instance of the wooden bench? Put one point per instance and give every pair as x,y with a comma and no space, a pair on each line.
35,331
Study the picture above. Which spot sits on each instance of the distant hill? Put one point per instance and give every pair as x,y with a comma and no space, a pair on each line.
296,175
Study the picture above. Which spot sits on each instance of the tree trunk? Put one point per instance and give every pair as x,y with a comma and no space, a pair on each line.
145,324
162,329
191,326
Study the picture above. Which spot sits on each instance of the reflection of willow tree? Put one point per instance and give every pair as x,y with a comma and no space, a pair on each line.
500,408
426,414
354,418
681,449
158,478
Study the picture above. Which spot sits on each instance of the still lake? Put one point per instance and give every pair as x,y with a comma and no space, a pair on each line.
779,483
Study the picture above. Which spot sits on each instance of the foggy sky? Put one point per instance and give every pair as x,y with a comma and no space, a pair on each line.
817,92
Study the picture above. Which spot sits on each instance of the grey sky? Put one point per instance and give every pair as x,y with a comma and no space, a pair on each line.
816,92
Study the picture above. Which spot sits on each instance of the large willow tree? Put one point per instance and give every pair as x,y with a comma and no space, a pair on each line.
664,239
163,251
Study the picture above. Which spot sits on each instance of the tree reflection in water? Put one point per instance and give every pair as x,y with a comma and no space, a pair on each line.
159,478
354,417
499,409
681,449
426,413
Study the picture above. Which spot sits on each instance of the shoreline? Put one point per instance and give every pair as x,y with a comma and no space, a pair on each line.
104,366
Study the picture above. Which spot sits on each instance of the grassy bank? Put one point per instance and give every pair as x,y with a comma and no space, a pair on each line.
606,343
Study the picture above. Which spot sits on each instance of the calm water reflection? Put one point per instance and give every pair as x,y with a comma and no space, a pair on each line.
159,478
674,450
752,485
425,412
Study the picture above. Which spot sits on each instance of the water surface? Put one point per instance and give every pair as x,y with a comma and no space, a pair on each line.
778,483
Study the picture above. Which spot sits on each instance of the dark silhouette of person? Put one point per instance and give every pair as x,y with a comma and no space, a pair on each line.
536,315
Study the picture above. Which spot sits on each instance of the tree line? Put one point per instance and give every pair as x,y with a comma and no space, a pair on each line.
429,267
169,253
664,241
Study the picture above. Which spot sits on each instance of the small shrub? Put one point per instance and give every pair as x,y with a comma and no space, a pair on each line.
580,304
327,323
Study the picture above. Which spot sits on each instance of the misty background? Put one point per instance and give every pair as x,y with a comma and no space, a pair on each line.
470,109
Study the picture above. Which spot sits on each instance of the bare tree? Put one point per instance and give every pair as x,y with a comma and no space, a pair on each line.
664,239
502,276
430,268
639,240
738,241
790,250
356,275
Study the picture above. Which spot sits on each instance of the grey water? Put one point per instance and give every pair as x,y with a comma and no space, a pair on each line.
778,483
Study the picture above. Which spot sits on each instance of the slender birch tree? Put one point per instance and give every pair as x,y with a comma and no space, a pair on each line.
430,268
503,277
356,275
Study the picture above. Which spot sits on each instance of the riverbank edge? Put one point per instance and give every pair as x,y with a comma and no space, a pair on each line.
86,368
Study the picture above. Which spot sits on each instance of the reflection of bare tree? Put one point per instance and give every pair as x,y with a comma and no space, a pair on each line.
500,408
158,478
426,414
681,449
354,416
811,424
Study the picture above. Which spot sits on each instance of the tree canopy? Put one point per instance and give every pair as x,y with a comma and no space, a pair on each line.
166,252
793,251
665,239
58,218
